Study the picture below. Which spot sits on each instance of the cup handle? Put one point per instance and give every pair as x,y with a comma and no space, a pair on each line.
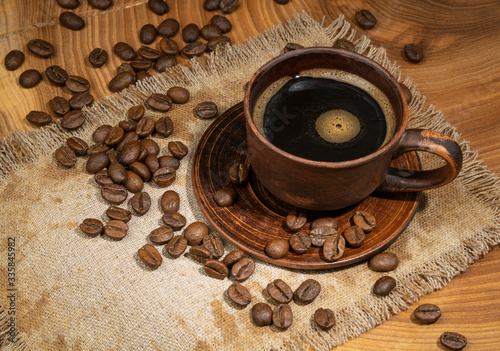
429,141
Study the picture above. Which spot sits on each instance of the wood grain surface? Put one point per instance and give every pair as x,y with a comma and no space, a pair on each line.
460,74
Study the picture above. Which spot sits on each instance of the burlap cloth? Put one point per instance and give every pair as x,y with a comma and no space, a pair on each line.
81,293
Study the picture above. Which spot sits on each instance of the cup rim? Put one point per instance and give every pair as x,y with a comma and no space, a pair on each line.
327,164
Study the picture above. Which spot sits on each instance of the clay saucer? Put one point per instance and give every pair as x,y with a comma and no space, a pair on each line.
258,217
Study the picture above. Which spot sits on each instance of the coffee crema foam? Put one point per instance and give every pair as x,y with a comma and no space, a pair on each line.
334,126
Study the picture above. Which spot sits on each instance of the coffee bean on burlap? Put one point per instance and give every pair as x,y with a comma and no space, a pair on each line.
344,44
79,146
280,291
80,100
65,156
92,226
292,47
169,161
178,149
164,126
406,92
384,285
179,95
164,176
282,316
243,269
141,202
238,294
176,246
233,257
164,62
114,193
150,256
116,230
133,182
174,220
102,177
324,318
100,133
216,269
39,118
215,42
73,120
307,291
159,102
161,235
384,262
262,314
206,110
200,254
195,232
194,49
121,81
97,148
127,125
118,213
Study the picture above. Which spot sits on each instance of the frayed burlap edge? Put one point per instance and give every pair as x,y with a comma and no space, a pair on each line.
23,148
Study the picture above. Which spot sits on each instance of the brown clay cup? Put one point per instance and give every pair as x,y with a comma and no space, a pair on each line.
323,186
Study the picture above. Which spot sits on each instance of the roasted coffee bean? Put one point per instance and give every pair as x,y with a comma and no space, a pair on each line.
115,135
222,22
292,47
101,4
206,110
365,19
69,4
355,236
168,28
133,183
39,118
98,57
145,127
243,269
79,146
71,20
262,314
225,196
199,254
179,95
328,222
77,84
344,44
149,53
59,105
124,67
140,75
141,202
13,60
195,232
280,291
150,256
164,176
164,62
384,262
161,235
334,247
164,126
41,48
127,126
170,202
228,6
117,172
97,148
96,162
194,49
80,100
92,226
453,341
30,78
233,257
282,316
113,156
141,169
364,220
152,163
384,285
65,156
124,51
118,213
238,173
56,75
169,161
406,93
214,42
102,177
213,243
100,133
216,269
190,33
324,318
159,7
211,5
135,113
116,230
176,246
300,242
239,294
178,149
174,220
143,154
73,120
307,291
151,146
159,102
147,34
210,31
295,220
169,47
140,64
413,53
114,193
427,313
277,248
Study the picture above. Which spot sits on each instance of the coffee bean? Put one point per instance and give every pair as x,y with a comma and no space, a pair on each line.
127,126
179,95
100,133
211,5
190,33
210,31
413,53
384,262
216,269
292,47
344,44
243,269
280,291
141,170
213,243
159,102
141,202
140,64
215,42
300,242
71,20
73,120
406,93
195,232
77,84
13,60
96,162
170,201
169,161
133,182
124,67
233,257
159,7
295,220
453,341
140,75
427,313
151,146
124,51
324,318
56,75
169,47
98,57
116,230
222,22
114,193
150,256
113,156
206,110
91,226
80,100
364,220
334,247
239,294
149,53
101,4
161,235
282,316
194,49
384,285
199,254
163,63
147,34
365,19
177,149
102,177
238,173
69,4
164,126
262,314
59,105
307,291
30,78
174,220
164,176
176,246
145,127
97,148
168,28
277,248
41,48
328,222
115,135
355,236
282,2
79,146
228,6
65,156
39,118
225,196
118,213
117,172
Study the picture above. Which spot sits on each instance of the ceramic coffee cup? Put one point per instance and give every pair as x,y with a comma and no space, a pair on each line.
319,185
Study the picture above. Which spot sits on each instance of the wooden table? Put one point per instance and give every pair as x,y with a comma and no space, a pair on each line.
460,75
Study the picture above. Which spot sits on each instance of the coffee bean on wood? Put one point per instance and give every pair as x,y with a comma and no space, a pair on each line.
59,105
71,20
190,33
164,62
168,28
364,220
194,49
344,44
41,48
280,291
148,33
354,235
39,118
210,31
328,222
222,23
80,100
319,235
453,341
295,220
216,269
56,75
238,173
159,7
149,53
413,53
277,248
150,256
282,2
65,156
427,313
307,291
215,42
101,4
300,242
69,4
13,60
77,84
211,5
228,6
98,57
365,19
92,226
121,81
30,78
124,51
238,294
334,247
169,47
225,196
